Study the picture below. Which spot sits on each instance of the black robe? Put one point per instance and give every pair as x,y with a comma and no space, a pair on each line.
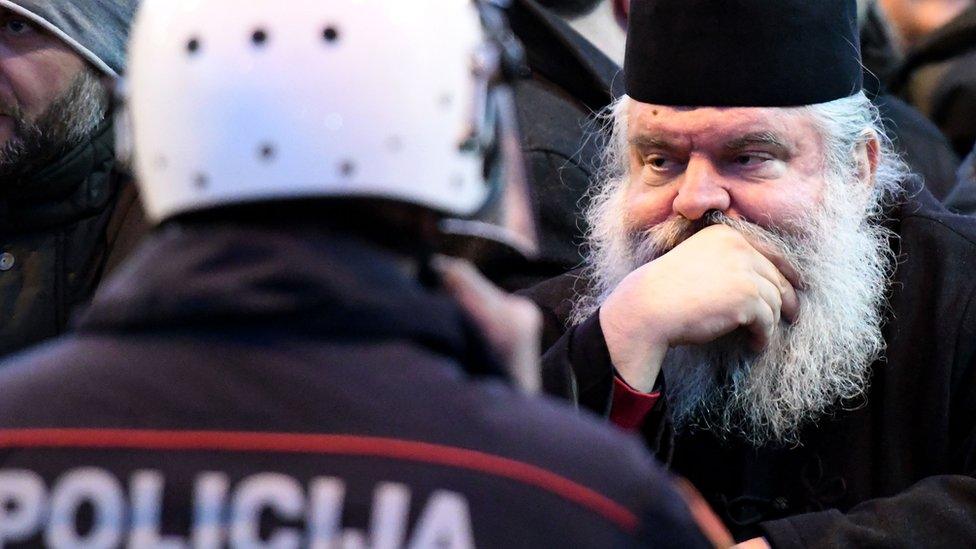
894,468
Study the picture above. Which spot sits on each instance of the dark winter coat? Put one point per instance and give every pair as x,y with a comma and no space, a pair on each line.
317,389
962,199
894,469
61,231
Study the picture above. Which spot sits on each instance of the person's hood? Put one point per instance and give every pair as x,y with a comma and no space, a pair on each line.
96,29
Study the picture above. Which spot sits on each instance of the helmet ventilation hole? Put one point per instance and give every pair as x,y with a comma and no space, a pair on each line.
201,181
266,152
347,168
259,37
330,34
193,46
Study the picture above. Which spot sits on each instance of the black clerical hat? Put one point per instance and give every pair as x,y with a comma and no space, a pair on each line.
742,53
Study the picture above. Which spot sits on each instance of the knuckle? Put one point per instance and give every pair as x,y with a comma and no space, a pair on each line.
745,288
743,263
755,288
742,318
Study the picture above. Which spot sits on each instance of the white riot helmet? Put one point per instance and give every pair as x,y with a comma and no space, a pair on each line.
237,101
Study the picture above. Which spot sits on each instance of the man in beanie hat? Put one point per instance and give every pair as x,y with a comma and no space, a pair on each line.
67,215
785,314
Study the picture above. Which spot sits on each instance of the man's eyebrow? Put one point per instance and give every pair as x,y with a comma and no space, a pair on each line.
767,139
652,142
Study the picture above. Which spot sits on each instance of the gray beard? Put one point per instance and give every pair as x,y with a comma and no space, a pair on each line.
824,357
69,120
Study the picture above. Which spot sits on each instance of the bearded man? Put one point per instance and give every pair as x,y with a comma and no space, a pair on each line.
785,314
67,215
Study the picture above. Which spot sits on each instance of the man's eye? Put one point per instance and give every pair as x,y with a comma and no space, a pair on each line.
17,26
658,162
750,160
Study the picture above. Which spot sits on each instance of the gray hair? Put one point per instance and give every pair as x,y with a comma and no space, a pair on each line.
845,124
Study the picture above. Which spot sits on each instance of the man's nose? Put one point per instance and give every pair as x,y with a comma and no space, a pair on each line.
701,190
6,51
7,54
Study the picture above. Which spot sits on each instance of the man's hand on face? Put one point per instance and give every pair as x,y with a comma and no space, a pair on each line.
708,286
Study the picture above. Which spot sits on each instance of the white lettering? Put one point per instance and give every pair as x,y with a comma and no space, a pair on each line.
353,539
103,492
87,508
209,499
279,493
387,526
22,496
146,492
445,522
325,512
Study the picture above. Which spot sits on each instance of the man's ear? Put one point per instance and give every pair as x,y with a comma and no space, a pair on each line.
868,155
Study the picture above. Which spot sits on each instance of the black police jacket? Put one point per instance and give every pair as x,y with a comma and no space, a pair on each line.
241,385
894,469
61,230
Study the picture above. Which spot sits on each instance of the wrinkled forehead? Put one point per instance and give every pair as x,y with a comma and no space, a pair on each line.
687,127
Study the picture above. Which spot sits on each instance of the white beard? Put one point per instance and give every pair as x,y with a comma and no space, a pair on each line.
844,259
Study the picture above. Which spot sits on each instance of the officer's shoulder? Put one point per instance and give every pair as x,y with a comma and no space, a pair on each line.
48,384
571,442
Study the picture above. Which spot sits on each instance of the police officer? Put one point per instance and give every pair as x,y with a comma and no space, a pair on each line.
277,366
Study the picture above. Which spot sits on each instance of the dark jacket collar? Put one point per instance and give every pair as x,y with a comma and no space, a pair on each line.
75,186
561,55
309,283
